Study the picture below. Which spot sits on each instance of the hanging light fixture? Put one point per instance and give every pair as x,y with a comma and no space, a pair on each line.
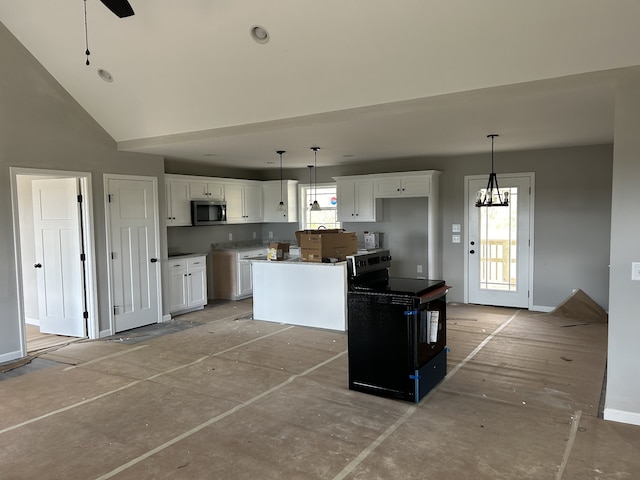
315,206
310,170
492,197
281,206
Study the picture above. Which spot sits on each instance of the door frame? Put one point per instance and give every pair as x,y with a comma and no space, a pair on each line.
112,176
88,234
468,201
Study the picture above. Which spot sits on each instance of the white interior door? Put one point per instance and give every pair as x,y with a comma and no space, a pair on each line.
498,245
133,236
58,248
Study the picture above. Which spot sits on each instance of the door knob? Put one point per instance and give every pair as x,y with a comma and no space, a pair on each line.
472,251
38,265
154,260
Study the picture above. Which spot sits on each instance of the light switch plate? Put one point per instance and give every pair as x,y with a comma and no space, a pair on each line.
455,227
635,271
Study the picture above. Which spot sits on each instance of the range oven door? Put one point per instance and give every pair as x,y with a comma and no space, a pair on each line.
390,349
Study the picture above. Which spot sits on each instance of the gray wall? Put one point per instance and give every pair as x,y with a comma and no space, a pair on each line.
623,387
41,126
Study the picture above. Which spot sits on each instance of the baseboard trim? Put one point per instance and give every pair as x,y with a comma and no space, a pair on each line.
541,308
7,357
632,418
105,333
32,321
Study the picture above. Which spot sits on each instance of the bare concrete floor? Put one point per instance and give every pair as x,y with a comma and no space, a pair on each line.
216,395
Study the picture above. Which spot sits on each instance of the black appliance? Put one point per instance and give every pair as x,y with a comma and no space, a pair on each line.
205,212
396,330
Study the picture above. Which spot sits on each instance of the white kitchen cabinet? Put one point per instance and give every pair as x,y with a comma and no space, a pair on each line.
233,272
271,198
203,190
187,283
177,202
356,202
407,186
244,202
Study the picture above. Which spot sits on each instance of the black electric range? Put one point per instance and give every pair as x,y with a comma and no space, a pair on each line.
396,330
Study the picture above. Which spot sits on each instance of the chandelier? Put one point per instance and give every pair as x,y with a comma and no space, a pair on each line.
492,197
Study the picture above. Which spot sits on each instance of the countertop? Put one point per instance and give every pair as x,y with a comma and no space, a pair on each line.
298,261
187,255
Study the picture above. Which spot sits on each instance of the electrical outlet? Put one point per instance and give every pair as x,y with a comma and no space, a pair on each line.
419,268
254,235
455,227
231,236
270,234
455,238
635,271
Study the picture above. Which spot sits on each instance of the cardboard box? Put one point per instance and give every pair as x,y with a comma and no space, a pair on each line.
316,245
278,251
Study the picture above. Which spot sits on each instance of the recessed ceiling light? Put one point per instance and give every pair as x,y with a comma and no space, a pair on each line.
104,75
269,163
210,154
348,155
259,34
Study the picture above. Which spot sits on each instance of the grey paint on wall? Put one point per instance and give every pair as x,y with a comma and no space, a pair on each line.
623,388
41,126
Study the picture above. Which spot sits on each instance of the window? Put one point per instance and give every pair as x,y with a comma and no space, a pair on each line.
326,196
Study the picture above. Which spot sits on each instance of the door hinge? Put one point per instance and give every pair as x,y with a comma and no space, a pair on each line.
115,309
83,257
85,315
79,198
109,197
113,255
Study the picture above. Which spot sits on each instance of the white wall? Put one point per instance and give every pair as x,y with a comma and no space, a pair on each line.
623,387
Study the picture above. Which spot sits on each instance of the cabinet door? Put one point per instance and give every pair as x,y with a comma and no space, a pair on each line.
197,280
245,282
253,203
178,290
365,210
418,186
345,191
234,196
388,187
178,203
215,191
271,200
198,191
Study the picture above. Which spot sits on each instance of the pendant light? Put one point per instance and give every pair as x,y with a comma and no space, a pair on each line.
315,206
310,182
492,197
281,206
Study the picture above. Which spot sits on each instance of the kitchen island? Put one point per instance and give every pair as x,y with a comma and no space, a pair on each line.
301,293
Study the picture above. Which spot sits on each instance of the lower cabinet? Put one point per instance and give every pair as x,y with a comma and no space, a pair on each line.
187,283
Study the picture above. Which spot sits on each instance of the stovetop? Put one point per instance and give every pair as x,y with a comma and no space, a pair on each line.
414,287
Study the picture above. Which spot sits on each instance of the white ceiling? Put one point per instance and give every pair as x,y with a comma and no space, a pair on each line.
361,79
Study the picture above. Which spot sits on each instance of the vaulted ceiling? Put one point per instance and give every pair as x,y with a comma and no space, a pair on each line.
361,79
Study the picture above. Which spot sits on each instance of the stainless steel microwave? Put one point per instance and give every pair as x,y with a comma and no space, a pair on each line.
204,212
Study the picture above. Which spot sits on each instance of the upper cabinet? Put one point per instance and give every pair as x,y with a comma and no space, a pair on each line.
177,198
402,186
244,201
204,190
272,191
356,202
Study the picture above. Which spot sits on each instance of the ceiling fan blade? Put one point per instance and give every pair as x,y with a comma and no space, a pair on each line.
121,8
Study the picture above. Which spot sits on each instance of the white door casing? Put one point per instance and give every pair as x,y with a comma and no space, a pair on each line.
498,244
58,248
133,243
